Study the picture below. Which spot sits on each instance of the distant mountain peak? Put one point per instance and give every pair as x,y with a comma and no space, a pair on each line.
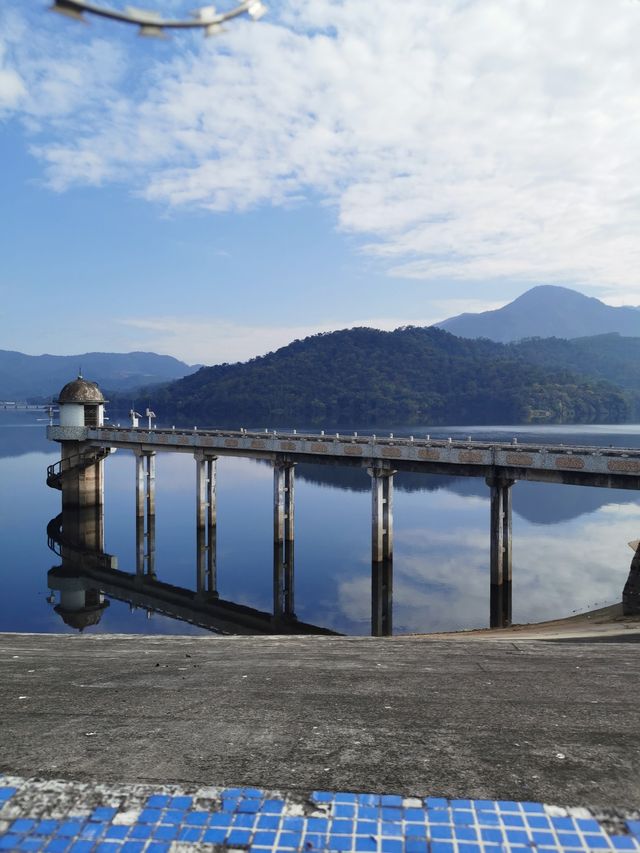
547,311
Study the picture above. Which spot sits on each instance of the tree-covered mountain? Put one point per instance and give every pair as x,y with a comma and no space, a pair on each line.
544,312
363,376
42,376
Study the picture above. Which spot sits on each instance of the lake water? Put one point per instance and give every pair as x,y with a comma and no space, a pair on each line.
570,550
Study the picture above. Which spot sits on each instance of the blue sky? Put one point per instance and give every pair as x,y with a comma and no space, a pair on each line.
334,164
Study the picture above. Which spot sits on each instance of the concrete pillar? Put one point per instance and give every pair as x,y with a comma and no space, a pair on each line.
82,484
283,501
206,521
145,514
283,580
500,559
381,551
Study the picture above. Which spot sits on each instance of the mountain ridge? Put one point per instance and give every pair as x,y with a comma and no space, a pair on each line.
546,311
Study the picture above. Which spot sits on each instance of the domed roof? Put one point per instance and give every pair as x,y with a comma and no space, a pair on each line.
81,391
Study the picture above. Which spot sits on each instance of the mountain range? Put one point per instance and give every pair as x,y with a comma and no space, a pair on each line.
546,311
42,376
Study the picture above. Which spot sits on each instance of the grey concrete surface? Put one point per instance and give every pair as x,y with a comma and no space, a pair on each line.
521,720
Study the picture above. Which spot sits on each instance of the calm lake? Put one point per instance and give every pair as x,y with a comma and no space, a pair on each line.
570,550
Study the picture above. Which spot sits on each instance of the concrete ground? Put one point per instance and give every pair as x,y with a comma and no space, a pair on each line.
519,720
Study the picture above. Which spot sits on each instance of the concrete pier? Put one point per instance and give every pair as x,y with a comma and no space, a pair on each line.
145,513
206,523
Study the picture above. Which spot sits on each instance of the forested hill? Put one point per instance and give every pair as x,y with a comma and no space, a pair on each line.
364,377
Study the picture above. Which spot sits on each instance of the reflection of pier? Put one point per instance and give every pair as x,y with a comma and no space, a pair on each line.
87,574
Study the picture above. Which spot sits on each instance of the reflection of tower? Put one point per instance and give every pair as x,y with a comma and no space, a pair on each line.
79,474
78,535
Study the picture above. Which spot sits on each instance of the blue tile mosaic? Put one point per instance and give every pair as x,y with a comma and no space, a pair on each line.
344,822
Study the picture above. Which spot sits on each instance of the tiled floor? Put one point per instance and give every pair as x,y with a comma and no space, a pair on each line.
65,817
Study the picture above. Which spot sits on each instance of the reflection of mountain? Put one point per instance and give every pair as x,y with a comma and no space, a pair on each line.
19,436
538,503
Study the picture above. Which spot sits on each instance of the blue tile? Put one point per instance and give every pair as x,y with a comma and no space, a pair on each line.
46,827
439,816
172,816
543,839
31,845
165,833
214,835
569,839
437,803
249,806
441,832
416,845
220,819
180,802
634,827
368,812
508,806
289,840
461,804
441,847
230,804
564,823
367,844
415,815
70,829
533,808
22,825
487,818
465,833
367,827
391,830
597,842
269,821
317,824
493,836
391,800
369,799
190,833
517,836
132,847
157,847
262,838
253,793
340,826
463,818
6,793
469,848
293,824
231,792
389,845
315,841
150,816
345,797
272,806
340,842
344,810
157,801
538,822
237,836
512,820
58,845
117,832
484,805
196,818
103,813
108,847
623,842
140,831
391,813
81,847
588,824
93,831
244,821
321,797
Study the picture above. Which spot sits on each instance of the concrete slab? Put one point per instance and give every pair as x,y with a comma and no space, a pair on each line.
521,720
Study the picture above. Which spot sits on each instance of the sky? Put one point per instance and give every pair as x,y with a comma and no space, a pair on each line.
337,163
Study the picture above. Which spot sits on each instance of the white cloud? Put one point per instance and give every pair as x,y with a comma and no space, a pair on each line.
470,140
211,340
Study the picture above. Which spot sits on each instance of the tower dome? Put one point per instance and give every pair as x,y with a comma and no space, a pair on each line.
81,391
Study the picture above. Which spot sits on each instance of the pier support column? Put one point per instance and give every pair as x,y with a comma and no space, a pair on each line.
381,551
145,514
500,552
283,539
206,524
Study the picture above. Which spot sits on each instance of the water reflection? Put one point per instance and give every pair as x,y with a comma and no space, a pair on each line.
87,574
